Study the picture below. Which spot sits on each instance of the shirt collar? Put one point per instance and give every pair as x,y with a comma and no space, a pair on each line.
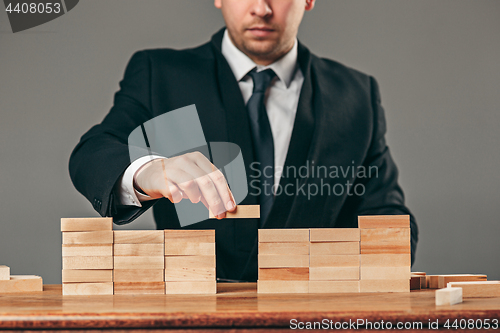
241,64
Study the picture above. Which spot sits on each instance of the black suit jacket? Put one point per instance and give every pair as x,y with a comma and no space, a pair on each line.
339,123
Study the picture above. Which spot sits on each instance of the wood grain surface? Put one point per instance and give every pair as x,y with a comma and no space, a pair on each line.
235,306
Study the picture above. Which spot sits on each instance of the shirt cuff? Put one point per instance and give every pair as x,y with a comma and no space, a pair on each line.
125,189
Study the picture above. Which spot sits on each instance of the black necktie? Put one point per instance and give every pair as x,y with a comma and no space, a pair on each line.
262,138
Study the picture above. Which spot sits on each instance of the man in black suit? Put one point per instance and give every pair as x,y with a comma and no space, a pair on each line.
316,125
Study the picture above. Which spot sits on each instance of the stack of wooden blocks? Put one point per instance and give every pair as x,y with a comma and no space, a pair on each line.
138,262
190,262
385,253
283,261
18,283
372,258
334,261
100,261
87,252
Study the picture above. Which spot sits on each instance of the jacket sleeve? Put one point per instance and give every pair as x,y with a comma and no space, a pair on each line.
383,194
102,155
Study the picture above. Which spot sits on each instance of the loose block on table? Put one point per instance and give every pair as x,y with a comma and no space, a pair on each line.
87,250
282,287
444,279
189,261
189,274
242,212
384,221
333,273
415,283
87,275
4,273
335,235
384,286
283,235
88,237
432,281
287,273
87,262
276,261
385,273
139,288
385,260
179,248
322,287
348,260
138,275
477,288
422,278
21,284
148,250
105,288
199,236
87,224
448,296
284,248
191,287
139,236
129,262
334,248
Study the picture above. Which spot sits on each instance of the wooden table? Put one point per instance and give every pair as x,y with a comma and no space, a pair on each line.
235,306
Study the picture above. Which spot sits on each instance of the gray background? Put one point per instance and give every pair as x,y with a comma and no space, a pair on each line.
437,64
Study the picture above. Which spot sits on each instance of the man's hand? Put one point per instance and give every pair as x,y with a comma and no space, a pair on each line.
189,176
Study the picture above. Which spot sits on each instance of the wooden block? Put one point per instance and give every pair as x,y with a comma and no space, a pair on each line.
139,236
418,273
283,235
241,212
284,248
335,235
444,279
333,273
189,287
349,260
422,280
415,283
282,287
181,248
432,281
277,261
139,288
284,274
198,236
384,221
477,288
88,237
189,274
87,250
21,284
448,296
138,275
90,275
384,286
189,262
105,288
385,273
388,240
87,262
334,248
87,224
324,287
148,250
385,259
128,262
4,273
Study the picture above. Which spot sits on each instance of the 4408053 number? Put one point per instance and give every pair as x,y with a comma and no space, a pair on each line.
34,8
472,324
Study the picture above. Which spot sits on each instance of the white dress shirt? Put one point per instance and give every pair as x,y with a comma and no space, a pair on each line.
281,104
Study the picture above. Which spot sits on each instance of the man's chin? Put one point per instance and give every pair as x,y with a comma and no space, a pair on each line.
260,48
